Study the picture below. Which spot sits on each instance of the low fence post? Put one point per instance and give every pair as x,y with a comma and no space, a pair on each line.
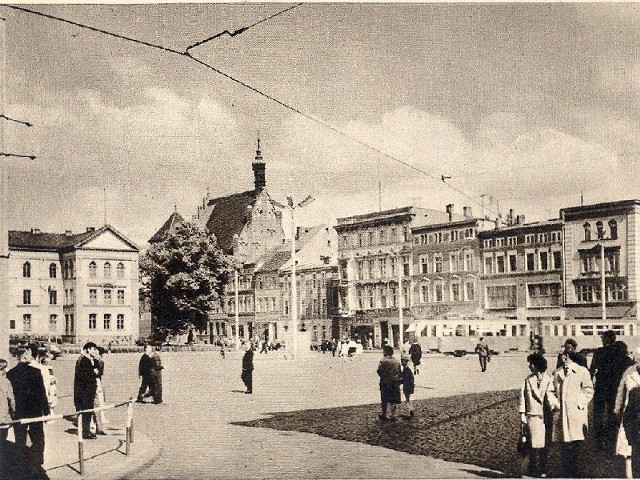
80,444
129,428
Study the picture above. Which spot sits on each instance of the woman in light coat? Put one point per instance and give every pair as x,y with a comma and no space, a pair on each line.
537,395
627,409
574,388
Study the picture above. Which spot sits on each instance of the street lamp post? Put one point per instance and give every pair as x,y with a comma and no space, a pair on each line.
294,286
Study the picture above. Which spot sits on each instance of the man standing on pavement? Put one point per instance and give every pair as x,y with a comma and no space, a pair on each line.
85,384
571,346
482,349
156,375
604,368
247,368
415,351
145,372
31,402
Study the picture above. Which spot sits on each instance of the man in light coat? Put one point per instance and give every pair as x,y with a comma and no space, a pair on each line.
574,388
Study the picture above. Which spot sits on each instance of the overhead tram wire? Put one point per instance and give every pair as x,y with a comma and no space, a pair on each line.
240,30
186,54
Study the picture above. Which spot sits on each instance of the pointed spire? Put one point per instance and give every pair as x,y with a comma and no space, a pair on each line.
258,152
259,167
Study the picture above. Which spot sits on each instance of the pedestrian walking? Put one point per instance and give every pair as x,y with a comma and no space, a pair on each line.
627,410
85,384
408,383
247,368
571,346
415,351
574,388
389,371
99,401
537,395
607,367
484,354
145,372
7,412
156,375
31,402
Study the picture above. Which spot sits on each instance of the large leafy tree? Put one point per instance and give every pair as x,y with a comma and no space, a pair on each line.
184,276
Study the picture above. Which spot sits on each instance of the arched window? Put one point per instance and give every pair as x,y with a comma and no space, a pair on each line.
26,270
613,229
600,229
92,270
107,269
587,232
72,269
120,270
53,270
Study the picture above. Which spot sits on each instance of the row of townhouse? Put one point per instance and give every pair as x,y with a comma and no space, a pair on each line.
460,276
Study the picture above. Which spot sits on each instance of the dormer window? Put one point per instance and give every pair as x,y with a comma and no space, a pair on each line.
600,230
587,232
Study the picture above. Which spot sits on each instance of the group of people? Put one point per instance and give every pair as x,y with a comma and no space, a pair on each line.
554,406
393,375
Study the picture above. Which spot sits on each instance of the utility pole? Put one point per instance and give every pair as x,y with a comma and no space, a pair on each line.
4,185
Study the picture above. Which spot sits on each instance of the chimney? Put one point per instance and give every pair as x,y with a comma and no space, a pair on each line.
259,167
449,210
520,219
497,223
467,212
91,229
68,233
512,217
35,231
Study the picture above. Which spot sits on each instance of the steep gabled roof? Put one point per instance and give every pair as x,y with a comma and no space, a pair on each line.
275,260
168,226
228,217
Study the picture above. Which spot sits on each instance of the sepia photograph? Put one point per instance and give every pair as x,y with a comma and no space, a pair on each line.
276,240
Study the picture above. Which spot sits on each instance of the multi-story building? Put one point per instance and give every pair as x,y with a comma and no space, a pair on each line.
602,254
374,252
446,288
521,279
74,286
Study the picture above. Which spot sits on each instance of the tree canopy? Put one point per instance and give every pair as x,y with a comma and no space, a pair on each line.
184,276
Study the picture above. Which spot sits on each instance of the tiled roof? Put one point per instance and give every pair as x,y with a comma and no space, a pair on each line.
229,216
276,259
168,226
45,241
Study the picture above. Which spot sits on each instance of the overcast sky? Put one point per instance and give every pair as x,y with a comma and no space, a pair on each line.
528,104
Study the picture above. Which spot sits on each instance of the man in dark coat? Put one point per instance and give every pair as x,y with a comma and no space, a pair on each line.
145,372
247,368
85,385
156,376
31,402
415,351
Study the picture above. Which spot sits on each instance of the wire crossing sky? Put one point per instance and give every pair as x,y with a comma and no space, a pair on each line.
531,105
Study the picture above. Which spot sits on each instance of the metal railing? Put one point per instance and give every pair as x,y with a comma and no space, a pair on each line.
76,415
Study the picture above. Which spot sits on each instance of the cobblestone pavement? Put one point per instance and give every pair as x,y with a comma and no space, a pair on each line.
333,430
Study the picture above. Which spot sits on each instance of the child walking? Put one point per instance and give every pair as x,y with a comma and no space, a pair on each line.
408,383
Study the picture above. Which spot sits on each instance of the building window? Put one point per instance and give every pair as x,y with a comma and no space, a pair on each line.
92,270
382,236
53,270
53,323
12,324
383,267
502,296
531,262
26,297
107,270
455,292
120,270
93,296
557,259
120,322
587,232
26,322
544,260
488,264
424,293
454,262
500,263
120,297
438,293
437,263
383,297
107,321
107,297
600,230
469,293
468,261
584,293
53,297
92,321
424,264
371,269
513,262
406,268
613,229
26,270
544,295
612,262
616,292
